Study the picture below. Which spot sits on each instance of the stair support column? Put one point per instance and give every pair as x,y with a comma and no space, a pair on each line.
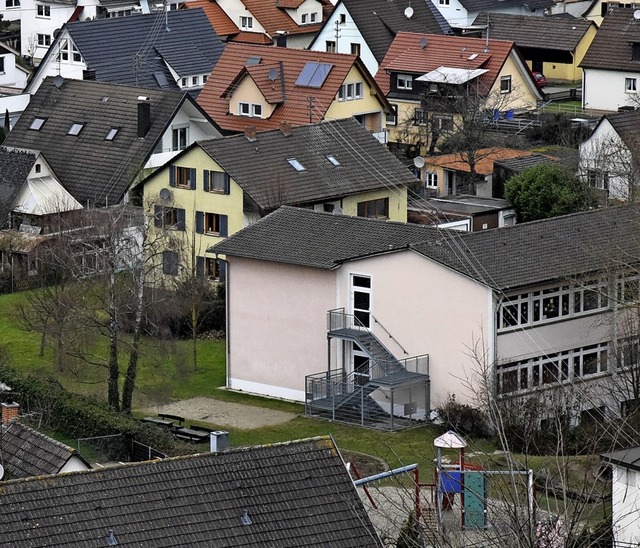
391,414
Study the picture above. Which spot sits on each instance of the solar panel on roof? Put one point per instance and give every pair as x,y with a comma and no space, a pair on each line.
313,74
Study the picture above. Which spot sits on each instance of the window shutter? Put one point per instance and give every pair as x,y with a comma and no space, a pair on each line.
181,224
192,178
224,226
157,216
222,270
227,183
205,174
172,175
199,222
200,267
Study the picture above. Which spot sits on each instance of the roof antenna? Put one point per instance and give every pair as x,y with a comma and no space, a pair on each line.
486,42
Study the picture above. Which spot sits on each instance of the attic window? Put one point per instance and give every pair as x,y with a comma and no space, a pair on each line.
333,159
295,164
37,124
75,128
313,74
635,51
112,134
472,56
253,60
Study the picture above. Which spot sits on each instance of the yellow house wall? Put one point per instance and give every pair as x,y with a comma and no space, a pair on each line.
521,96
346,109
570,72
195,200
247,92
397,202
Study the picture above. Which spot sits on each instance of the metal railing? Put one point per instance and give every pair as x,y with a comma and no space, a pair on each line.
338,319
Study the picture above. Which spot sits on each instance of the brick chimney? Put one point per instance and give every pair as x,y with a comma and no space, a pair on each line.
285,128
144,116
10,411
250,133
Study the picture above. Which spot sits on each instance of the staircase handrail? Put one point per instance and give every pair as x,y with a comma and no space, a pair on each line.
390,335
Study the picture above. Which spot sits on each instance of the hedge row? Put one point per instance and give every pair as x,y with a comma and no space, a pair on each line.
75,416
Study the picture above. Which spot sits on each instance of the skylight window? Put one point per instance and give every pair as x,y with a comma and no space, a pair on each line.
333,159
37,124
295,164
314,74
112,134
75,128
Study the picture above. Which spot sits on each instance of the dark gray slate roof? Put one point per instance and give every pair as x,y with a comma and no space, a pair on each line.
561,248
626,125
320,240
91,168
525,162
261,168
295,494
490,5
15,166
25,452
629,458
612,46
466,205
380,20
556,33
110,46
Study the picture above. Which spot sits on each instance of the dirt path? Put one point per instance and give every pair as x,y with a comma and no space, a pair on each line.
223,413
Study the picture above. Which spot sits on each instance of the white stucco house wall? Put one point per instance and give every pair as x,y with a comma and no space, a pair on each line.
625,496
12,75
608,157
423,291
462,13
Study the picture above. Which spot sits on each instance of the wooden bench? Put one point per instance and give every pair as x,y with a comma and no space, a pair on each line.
159,422
176,418
191,434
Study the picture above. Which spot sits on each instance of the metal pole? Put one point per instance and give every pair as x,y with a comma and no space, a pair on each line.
387,474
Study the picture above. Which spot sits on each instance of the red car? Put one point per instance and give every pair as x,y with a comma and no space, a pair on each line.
541,81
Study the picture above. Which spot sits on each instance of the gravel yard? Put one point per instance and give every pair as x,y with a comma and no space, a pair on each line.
223,413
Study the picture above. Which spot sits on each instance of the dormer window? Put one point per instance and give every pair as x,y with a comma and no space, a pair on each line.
314,17
250,109
334,161
303,19
404,81
75,128
37,124
246,23
295,164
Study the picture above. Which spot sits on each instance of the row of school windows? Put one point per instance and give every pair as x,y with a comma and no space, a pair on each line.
567,366
566,301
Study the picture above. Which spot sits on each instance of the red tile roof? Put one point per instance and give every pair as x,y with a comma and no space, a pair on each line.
217,17
251,38
484,159
273,17
407,54
214,97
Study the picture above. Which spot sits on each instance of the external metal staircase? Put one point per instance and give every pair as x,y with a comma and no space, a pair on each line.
347,396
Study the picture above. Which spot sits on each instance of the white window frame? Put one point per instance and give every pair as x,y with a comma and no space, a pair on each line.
505,80
43,11
303,19
431,179
631,85
404,81
246,22
443,2
313,17
12,4
44,40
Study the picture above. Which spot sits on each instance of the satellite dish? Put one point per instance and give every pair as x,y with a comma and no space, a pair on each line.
423,42
408,13
418,161
56,33
165,194
636,14
58,81
338,211
1,471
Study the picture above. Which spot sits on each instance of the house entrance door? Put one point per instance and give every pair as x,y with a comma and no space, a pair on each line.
361,301
361,373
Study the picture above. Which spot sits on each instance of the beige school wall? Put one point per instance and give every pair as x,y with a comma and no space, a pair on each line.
429,309
196,200
277,320
276,331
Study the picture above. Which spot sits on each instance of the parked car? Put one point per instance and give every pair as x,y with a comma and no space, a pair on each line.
540,79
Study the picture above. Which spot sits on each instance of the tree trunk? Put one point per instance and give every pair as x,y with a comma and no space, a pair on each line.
114,372
132,368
